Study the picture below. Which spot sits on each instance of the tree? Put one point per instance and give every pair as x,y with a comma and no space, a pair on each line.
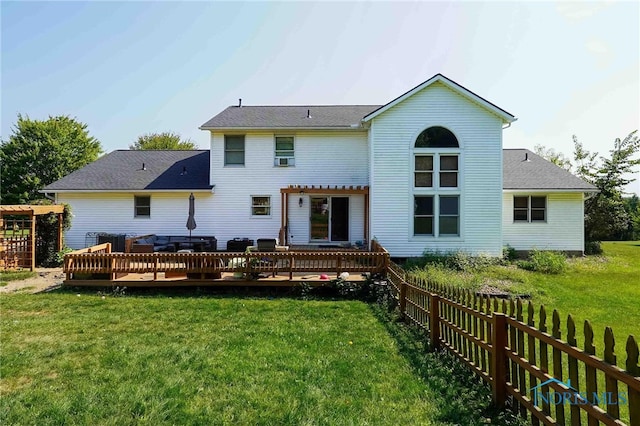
552,155
605,213
632,206
39,152
608,216
164,140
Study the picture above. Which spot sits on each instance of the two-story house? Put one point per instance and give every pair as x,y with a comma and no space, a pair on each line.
425,171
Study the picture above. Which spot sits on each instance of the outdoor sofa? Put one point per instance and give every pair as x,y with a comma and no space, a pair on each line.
172,243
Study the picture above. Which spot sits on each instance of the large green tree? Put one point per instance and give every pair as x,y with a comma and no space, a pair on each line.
39,152
164,140
608,215
605,213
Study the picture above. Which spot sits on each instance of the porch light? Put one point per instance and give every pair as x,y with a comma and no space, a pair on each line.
300,201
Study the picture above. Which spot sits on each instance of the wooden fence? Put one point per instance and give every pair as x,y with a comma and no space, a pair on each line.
530,366
15,247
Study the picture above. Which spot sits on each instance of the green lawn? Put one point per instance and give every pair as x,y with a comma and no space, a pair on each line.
6,276
603,289
185,358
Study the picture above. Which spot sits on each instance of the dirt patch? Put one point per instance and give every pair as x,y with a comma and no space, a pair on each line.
46,279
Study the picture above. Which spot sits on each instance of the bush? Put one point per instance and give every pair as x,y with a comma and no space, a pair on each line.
509,254
547,262
457,261
55,259
592,247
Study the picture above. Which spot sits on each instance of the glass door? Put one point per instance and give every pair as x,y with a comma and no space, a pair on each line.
319,218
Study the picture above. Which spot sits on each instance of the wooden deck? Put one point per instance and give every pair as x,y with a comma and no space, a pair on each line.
227,279
97,266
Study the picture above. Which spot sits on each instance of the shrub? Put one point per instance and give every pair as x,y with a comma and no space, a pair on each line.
592,247
547,262
509,253
457,261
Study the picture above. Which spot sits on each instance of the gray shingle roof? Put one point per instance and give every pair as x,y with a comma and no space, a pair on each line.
527,171
122,170
289,117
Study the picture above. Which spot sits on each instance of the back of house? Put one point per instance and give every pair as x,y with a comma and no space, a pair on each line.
424,172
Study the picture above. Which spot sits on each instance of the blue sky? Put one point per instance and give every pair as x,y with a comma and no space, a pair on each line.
129,68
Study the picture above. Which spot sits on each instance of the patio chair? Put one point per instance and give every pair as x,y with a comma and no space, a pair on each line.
268,245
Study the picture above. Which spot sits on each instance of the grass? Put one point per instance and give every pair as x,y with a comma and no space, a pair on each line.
6,276
181,358
602,289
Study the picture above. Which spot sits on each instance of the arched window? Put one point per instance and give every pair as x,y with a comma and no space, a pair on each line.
436,186
436,137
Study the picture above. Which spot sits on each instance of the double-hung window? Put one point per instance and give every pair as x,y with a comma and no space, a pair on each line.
142,206
260,205
447,219
284,151
529,209
234,150
436,184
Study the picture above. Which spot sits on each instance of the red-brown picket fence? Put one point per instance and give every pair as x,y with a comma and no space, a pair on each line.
527,366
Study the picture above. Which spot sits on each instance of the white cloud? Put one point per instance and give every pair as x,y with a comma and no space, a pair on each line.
601,52
578,10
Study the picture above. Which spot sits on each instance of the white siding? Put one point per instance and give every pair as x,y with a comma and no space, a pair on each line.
563,230
113,213
393,135
321,158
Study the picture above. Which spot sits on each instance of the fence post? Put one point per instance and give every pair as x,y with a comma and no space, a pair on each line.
434,320
633,368
499,359
403,298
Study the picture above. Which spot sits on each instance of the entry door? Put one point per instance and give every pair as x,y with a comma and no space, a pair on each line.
339,218
329,219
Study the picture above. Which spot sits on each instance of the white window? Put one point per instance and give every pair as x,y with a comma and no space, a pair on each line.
260,205
529,209
447,221
285,151
427,166
436,184
234,150
142,206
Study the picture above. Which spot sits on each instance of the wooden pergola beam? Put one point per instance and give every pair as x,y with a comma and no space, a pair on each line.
29,209
324,190
328,190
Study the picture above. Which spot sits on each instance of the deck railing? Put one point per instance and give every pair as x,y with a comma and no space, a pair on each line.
212,263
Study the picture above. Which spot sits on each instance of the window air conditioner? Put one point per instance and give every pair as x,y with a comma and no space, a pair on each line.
284,161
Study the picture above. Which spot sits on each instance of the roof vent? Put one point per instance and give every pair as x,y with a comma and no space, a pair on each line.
143,167
184,171
240,103
308,113
526,156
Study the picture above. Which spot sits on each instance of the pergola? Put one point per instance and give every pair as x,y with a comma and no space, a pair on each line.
32,211
320,190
